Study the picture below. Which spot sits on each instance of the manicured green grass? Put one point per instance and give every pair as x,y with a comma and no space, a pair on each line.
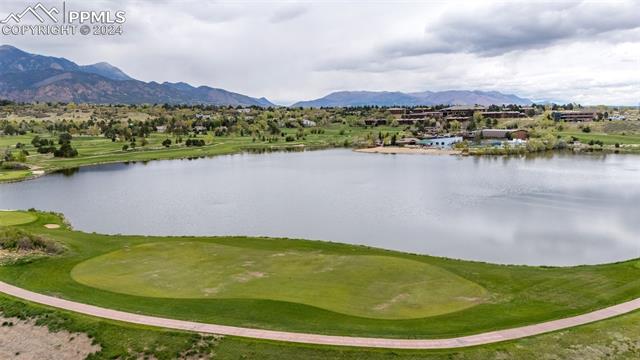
607,139
515,295
360,285
12,175
8,218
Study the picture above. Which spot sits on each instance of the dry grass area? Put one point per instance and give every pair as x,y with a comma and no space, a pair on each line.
23,339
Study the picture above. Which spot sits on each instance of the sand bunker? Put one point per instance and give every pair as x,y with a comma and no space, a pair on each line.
21,339
52,226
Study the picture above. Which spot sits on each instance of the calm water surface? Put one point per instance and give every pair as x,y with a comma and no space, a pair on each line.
555,210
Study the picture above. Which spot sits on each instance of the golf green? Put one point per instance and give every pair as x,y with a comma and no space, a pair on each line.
8,218
372,286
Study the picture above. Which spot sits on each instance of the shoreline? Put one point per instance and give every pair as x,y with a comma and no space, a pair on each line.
408,150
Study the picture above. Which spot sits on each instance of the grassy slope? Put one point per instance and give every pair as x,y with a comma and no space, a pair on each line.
518,295
371,286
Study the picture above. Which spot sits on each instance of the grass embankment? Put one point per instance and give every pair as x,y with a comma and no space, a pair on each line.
98,149
512,295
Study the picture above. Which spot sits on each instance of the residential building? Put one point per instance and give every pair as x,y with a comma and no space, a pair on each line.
462,111
423,115
503,114
574,116
308,123
375,122
397,112
441,142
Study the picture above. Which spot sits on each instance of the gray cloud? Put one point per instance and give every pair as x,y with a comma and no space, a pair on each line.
495,30
287,14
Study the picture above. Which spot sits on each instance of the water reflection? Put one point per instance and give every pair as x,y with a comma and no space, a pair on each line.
554,209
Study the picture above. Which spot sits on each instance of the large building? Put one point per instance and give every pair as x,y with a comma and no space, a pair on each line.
397,112
441,142
410,116
423,115
462,111
503,114
574,116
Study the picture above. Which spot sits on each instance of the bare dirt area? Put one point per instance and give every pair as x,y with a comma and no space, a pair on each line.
408,150
22,339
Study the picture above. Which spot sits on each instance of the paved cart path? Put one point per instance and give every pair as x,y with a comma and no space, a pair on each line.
471,340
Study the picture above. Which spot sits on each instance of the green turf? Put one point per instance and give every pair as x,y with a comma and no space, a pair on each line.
607,139
8,218
13,175
361,285
515,295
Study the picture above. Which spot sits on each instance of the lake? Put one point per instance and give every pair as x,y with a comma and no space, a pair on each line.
559,209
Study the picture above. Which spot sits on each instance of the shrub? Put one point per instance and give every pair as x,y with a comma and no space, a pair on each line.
65,151
9,165
194,142
15,239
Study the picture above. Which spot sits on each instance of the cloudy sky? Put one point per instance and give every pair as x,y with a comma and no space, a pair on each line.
587,52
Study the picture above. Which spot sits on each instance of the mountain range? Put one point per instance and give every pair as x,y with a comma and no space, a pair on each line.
26,77
387,98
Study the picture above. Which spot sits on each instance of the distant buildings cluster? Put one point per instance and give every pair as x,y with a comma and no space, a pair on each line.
412,116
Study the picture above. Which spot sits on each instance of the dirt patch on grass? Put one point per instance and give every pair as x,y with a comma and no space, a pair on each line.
248,276
20,339
52,226
385,305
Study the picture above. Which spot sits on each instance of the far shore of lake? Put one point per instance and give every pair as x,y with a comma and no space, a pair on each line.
409,150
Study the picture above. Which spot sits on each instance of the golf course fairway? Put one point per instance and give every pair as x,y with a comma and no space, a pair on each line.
307,286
